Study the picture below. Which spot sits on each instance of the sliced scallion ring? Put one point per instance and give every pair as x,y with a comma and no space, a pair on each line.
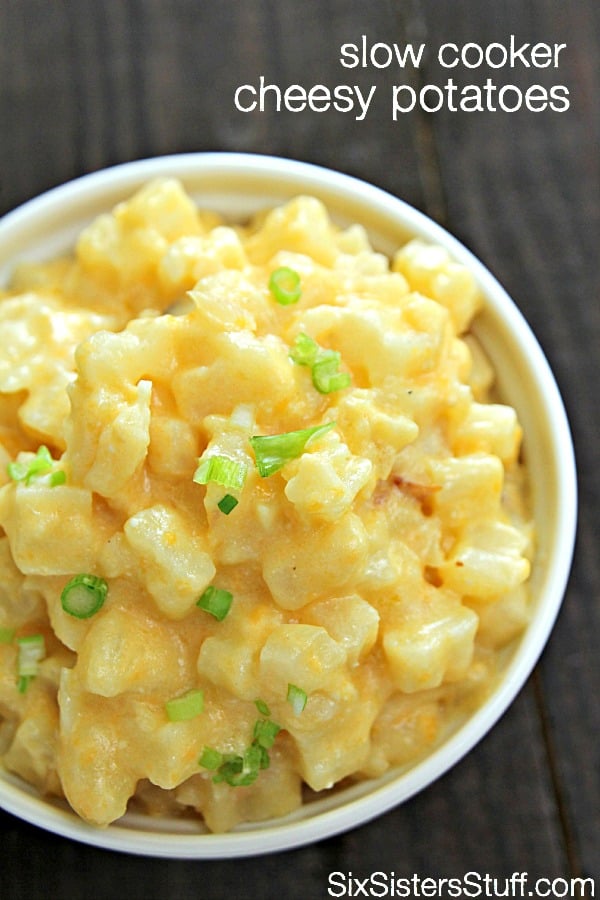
284,284
84,596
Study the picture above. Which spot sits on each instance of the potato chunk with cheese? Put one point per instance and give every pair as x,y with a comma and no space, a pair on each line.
174,564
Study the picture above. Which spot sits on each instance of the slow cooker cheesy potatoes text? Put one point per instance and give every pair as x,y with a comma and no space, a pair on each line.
262,529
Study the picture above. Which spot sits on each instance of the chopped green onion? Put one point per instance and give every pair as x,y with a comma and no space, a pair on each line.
326,375
38,465
265,733
227,503
262,707
324,364
224,471
32,649
242,770
284,284
7,635
210,759
297,697
186,706
273,451
215,601
84,595
305,350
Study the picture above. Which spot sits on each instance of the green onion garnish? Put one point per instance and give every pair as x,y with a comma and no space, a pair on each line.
324,364
227,503
240,770
84,595
186,706
7,635
38,465
273,451
305,350
31,650
210,759
215,601
262,707
284,284
224,471
326,375
297,697
265,733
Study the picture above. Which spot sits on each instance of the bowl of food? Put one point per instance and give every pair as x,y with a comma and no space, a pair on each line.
287,505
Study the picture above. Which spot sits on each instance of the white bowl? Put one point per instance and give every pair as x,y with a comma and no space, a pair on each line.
237,185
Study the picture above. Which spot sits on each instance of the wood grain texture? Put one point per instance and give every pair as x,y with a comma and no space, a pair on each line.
86,84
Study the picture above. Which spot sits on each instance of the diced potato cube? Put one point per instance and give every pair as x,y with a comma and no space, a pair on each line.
173,563
488,428
192,257
304,655
487,560
471,486
122,444
126,651
173,447
308,564
503,620
254,370
301,226
325,482
423,654
430,270
231,664
337,743
97,768
52,530
372,432
350,621
32,753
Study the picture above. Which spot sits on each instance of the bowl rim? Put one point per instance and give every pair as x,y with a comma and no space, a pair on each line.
291,832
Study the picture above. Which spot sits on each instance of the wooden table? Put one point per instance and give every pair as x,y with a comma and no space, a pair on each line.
88,83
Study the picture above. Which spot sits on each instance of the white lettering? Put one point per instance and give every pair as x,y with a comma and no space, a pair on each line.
454,57
238,105
380,55
559,93
497,55
343,101
396,106
350,52
364,104
336,880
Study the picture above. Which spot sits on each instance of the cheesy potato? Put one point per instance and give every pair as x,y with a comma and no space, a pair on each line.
263,522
